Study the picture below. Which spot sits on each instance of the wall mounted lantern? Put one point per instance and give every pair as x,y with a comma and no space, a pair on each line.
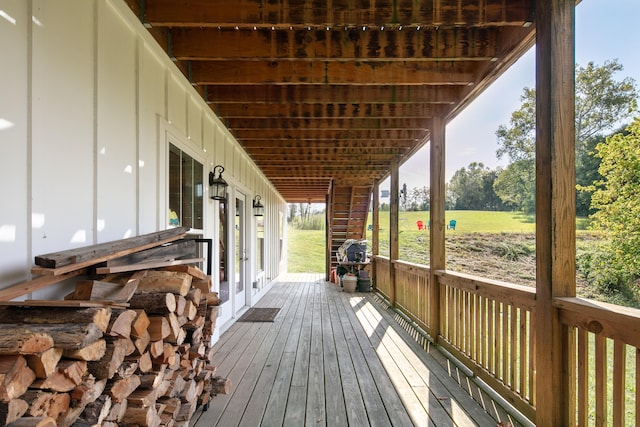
258,207
218,185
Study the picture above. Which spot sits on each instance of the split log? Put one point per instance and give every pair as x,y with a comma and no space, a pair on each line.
131,286
12,410
121,389
91,352
144,362
212,298
154,303
141,416
189,391
22,341
15,377
56,315
81,396
47,404
117,412
159,328
128,368
94,412
187,409
220,385
113,358
191,270
33,422
142,342
165,281
92,290
156,349
140,324
203,285
65,336
67,376
121,321
181,303
171,405
44,364
195,296
191,311
152,380
143,397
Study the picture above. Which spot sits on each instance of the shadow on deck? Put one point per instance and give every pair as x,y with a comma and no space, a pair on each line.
337,359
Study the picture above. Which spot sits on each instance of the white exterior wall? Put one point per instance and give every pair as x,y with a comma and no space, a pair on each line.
89,103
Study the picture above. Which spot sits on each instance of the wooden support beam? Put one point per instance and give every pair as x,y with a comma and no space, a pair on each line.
333,94
230,13
394,228
555,209
437,197
312,73
327,111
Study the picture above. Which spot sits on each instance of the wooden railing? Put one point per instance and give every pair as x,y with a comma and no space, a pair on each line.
382,275
490,327
606,339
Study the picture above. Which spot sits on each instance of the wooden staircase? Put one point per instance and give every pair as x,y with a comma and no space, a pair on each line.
347,213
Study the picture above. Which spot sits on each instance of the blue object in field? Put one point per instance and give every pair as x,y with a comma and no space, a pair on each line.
452,224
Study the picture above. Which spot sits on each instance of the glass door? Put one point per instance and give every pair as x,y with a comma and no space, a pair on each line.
241,257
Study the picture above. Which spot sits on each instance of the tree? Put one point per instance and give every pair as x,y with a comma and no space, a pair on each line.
472,188
601,104
616,199
417,199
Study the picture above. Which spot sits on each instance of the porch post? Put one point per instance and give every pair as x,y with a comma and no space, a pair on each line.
375,221
393,229
375,234
436,215
555,209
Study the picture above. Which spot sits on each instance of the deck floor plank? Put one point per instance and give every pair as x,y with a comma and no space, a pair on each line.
331,359
266,383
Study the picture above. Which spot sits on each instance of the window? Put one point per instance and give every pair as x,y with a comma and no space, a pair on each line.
185,190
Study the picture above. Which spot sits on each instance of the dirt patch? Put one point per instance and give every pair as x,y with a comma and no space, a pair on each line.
508,257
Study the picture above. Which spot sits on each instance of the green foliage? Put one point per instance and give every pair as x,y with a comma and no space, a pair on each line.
616,199
516,185
601,268
472,188
601,103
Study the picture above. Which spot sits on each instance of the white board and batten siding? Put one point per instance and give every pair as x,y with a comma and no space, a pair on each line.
89,104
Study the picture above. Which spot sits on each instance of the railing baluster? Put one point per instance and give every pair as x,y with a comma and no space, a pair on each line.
619,372
601,380
583,378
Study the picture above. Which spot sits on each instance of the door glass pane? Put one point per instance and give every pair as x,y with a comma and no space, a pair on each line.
224,279
240,254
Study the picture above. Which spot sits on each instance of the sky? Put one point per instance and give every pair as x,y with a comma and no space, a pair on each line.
605,30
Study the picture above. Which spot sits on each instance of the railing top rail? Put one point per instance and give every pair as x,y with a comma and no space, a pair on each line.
610,320
522,296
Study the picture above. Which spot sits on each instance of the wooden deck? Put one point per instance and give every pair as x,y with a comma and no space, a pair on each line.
335,359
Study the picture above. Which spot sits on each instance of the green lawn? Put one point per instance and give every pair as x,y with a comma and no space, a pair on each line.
307,247
466,221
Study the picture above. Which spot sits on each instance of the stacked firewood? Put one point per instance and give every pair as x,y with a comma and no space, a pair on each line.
124,349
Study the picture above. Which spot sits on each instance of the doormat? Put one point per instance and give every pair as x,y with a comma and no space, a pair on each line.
259,315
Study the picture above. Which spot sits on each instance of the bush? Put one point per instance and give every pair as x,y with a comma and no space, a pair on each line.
602,269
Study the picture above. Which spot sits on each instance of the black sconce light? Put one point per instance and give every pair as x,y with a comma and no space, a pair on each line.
218,186
258,207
